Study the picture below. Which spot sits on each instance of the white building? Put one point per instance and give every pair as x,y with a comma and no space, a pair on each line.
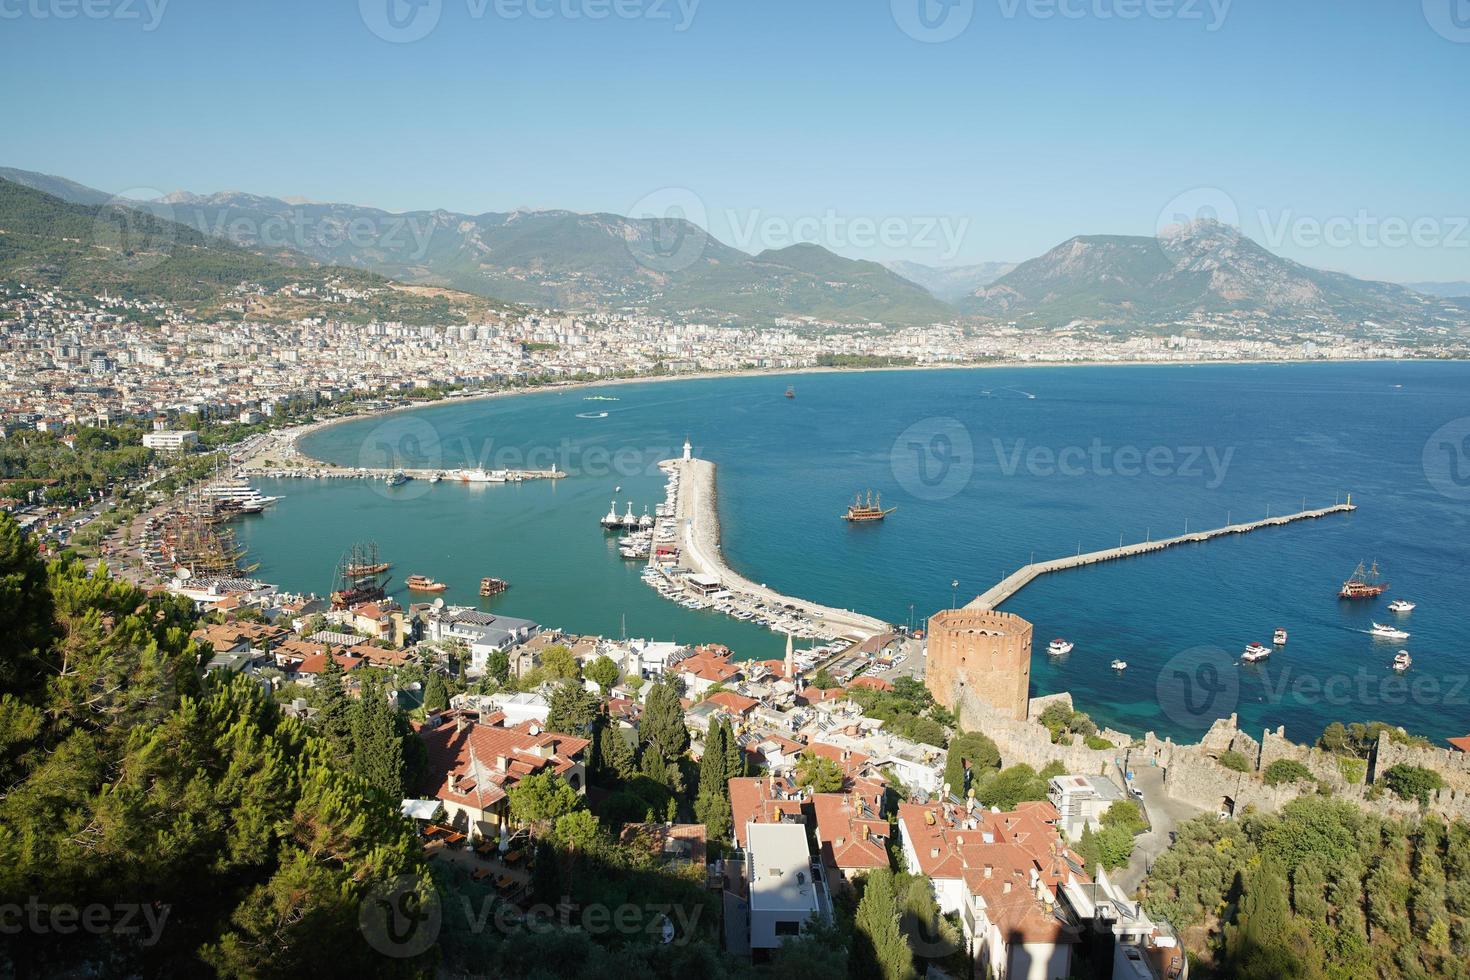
1082,800
785,891
171,440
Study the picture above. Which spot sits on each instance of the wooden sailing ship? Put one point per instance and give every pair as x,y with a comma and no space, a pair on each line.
866,510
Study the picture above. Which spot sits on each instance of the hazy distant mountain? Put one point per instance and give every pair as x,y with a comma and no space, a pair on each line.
951,283
68,190
565,259
132,253
1444,289
1205,267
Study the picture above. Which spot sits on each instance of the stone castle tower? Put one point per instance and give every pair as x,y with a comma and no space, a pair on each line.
980,653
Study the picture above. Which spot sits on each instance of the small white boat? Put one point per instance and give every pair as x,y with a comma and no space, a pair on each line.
1254,652
1388,632
1120,665
1059,646
1401,606
1402,661
1280,638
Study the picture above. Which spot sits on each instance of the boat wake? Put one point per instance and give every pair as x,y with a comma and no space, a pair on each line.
591,415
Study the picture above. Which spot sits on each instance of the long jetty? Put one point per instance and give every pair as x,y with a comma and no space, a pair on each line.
1024,576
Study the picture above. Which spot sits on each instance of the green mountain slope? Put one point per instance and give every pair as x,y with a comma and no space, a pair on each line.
135,254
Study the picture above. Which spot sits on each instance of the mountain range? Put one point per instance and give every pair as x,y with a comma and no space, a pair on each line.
576,261
1202,268
134,254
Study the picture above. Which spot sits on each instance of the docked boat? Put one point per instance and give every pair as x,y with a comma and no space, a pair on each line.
492,586
397,479
1401,606
237,498
422,583
1402,661
1388,632
1120,665
1059,647
1364,584
1254,652
482,475
1280,637
436,478
863,511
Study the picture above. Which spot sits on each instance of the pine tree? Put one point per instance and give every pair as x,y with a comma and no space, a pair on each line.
615,760
879,949
734,757
663,718
334,711
436,694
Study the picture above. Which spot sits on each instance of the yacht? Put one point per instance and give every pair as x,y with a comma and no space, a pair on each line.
1388,632
239,497
1254,652
1402,661
1401,606
1120,665
1059,646
1280,638
397,479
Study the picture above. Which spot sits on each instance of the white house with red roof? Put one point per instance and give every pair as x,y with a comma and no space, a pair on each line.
1001,872
472,766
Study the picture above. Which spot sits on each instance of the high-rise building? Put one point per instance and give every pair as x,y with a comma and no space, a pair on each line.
982,653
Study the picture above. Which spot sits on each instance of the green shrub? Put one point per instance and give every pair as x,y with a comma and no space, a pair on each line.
1286,771
1412,782
1232,759
1098,742
1353,770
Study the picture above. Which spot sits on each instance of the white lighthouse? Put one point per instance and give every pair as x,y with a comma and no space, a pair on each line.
688,450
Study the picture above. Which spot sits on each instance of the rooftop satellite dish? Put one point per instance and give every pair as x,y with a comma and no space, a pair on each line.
184,574
439,603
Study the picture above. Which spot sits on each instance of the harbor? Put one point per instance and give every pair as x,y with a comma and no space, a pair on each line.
1024,576
686,565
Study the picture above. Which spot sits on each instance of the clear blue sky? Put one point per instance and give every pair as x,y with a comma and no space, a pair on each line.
1015,135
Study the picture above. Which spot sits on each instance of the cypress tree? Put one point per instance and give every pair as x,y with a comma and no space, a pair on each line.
734,757
878,947
334,711
663,719
436,695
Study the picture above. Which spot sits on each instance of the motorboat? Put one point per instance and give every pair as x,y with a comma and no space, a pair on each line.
1402,661
1254,652
1280,637
1120,665
1388,632
1401,606
1059,647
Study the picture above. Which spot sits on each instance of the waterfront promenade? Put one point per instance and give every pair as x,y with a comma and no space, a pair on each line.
699,533
1024,576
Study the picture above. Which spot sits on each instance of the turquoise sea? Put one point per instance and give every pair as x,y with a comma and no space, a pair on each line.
987,468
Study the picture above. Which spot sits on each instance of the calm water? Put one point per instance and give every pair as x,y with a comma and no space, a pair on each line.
986,467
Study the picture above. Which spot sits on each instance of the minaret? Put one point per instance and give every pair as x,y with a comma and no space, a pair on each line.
688,450
790,659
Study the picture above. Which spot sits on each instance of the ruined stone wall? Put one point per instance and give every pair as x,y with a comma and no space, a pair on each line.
1452,765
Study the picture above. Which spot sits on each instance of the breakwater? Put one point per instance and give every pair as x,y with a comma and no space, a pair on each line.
1024,576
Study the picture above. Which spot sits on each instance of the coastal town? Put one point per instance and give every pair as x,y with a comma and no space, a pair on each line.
788,788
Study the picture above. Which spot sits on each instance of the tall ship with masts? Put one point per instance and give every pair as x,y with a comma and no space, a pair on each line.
361,576
1364,584
866,510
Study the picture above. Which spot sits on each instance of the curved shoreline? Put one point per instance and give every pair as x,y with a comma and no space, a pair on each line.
299,432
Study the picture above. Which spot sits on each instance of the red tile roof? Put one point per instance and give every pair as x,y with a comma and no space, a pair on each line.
317,662
474,764
1462,743
734,703
852,833
763,799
